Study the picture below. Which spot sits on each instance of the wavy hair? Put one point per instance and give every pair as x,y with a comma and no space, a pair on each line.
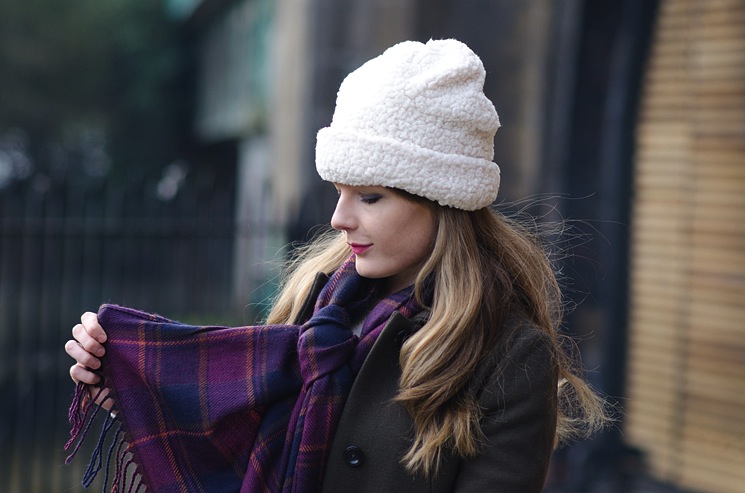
484,266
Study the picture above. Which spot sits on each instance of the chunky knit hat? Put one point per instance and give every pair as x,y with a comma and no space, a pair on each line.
415,118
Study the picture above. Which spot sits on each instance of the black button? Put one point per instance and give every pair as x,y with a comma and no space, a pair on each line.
354,456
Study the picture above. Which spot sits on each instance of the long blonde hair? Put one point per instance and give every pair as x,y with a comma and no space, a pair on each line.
484,266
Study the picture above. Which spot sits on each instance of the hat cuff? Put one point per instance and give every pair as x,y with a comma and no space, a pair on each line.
453,180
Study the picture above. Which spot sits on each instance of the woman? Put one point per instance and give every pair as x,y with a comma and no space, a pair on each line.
420,337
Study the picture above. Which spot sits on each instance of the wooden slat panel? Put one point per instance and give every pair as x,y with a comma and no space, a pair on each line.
686,382
705,465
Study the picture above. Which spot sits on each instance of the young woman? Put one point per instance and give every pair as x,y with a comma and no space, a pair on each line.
413,348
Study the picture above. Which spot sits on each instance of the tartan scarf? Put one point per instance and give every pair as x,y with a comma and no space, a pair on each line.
217,409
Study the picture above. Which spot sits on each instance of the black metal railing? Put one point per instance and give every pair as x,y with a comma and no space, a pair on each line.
66,248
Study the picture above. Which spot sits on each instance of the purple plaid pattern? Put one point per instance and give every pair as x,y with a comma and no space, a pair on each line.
207,409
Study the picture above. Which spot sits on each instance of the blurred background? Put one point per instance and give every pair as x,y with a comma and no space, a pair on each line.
159,154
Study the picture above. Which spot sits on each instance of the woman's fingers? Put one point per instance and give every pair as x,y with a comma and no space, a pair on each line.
80,373
92,327
89,334
86,349
82,356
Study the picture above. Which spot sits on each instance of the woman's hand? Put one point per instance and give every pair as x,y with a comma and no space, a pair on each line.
87,349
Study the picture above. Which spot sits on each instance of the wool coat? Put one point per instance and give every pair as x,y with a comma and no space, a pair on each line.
516,390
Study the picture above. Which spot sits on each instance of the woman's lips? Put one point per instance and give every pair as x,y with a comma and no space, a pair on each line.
359,249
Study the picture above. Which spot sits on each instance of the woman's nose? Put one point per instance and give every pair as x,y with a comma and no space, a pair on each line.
342,219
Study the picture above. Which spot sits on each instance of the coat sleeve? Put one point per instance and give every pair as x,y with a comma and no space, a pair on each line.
519,420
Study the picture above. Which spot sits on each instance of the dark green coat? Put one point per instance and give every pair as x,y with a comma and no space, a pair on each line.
518,396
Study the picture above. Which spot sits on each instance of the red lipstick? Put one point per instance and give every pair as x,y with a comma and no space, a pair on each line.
359,249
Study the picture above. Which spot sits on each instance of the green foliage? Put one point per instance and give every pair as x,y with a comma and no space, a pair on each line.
113,69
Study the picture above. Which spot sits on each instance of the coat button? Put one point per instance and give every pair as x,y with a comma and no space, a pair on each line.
354,456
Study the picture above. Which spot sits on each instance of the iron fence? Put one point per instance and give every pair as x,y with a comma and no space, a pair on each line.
66,248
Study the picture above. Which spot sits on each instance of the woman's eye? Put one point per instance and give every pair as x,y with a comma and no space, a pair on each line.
369,199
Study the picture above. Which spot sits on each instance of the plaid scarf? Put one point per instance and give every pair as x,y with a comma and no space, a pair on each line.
215,409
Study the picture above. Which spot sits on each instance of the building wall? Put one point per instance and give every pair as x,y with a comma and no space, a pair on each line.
342,35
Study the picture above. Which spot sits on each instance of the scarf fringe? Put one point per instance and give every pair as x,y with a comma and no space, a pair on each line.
81,418
82,414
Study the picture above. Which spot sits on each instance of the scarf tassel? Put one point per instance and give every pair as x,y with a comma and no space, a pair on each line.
82,414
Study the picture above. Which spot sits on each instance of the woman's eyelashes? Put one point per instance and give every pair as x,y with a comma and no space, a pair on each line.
370,198
364,197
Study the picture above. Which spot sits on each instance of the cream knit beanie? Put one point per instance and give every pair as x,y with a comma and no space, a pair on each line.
415,118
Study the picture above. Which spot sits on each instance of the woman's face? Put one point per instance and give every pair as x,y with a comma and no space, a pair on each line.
390,235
